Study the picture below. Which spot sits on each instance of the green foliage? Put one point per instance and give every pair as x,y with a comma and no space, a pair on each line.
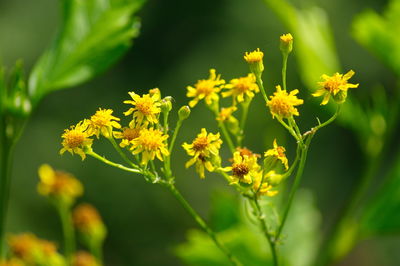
243,237
380,34
93,35
382,213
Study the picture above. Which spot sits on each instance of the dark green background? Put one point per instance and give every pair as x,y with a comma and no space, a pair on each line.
179,42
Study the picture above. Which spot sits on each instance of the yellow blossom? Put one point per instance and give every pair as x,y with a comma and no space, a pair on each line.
206,89
146,107
128,134
88,222
286,43
282,104
102,122
244,168
335,86
204,148
279,153
151,143
255,61
76,139
226,113
58,185
245,151
12,262
266,188
83,258
242,88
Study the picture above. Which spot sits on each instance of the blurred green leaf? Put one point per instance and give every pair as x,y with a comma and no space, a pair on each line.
245,240
93,35
381,34
382,214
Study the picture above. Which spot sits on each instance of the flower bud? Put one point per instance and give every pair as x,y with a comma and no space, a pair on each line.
255,61
286,43
184,112
340,97
166,104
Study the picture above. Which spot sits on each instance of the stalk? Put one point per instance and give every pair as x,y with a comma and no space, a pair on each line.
68,231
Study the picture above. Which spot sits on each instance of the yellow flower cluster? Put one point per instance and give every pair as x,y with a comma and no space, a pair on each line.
142,136
205,151
57,185
282,104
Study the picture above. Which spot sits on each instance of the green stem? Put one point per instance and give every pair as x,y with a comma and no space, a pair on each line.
261,86
202,224
284,67
119,166
245,111
121,153
299,174
270,238
176,131
68,230
227,136
95,248
290,129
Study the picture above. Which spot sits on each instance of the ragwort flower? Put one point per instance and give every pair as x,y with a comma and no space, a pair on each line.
255,61
102,122
150,143
244,168
88,222
83,258
264,188
76,139
278,152
128,134
146,107
242,88
282,104
204,149
58,185
206,89
335,86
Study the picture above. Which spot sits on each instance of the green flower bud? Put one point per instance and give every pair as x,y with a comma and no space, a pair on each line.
184,112
166,104
286,43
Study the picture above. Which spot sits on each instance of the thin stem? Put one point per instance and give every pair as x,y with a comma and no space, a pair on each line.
261,86
227,136
245,111
284,67
121,153
68,230
330,120
95,248
299,174
264,228
202,224
290,129
119,166
176,131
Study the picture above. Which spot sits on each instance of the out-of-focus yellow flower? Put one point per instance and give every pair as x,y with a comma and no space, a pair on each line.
88,222
279,153
145,108
206,89
103,122
34,251
266,188
76,139
335,86
242,88
244,168
255,61
204,149
83,258
282,104
128,134
245,151
150,143
226,113
58,185
12,262
156,93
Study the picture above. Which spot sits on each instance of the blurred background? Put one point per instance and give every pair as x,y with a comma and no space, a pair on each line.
179,42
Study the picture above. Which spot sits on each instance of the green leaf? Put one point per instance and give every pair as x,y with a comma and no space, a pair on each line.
382,213
93,35
381,34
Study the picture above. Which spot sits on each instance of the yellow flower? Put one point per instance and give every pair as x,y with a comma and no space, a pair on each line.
244,168
34,251
286,38
335,86
12,262
255,61
76,139
206,89
58,185
241,87
286,43
102,122
226,113
282,104
128,134
151,143
266,188
279,153
204,149
245,151
88,222
83,258
146,107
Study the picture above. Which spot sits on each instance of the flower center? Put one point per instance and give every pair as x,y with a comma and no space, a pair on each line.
144,107
205,87
200,144
240,169
75,139
130,133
